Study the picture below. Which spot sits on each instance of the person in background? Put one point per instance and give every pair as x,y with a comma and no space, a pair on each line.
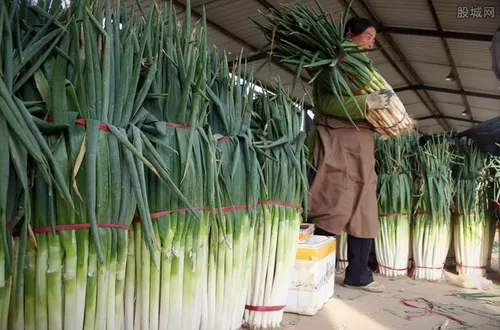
343,184
495,54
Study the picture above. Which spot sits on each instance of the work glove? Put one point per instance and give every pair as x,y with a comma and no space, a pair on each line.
384,98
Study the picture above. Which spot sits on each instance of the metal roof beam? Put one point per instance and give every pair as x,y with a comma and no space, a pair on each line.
447,90
450,118
431,106
450,59
438,33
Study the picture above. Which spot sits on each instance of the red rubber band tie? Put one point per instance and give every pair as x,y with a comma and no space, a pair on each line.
75,226
470,267
391,215
176,125
429,310
197,208
80,121
279,203
264,308
390,268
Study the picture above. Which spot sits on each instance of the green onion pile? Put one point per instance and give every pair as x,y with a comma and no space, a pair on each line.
472,209
282,157
394,168
236,189
432,224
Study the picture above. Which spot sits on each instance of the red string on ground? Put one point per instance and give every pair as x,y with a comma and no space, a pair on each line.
429,310
75,226
264,308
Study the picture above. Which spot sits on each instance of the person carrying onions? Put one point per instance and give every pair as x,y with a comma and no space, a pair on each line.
343,187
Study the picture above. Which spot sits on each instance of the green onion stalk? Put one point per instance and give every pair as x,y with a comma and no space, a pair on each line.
14,208
432,224
236,193
165,289
84,89
394,167
282,157
471,205
342,262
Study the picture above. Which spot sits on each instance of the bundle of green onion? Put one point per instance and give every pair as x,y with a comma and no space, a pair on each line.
236,194
432,227
309,39
282,157
493,165
394,168
164,290
84,82
472,217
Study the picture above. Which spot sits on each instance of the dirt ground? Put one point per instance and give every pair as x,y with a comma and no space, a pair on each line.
356,310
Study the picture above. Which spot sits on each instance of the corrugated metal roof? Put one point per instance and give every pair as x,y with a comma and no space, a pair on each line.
490,104
450,11
471,54
409,13
422,49
479,80
433,74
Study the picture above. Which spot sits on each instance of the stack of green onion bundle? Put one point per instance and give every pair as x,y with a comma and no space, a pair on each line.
23,144
236,194
164,289
282,157
471,205
394,168
341,258
494,198
310,39
84,85
432,226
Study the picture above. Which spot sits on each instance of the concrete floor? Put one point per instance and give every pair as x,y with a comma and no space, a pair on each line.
356,310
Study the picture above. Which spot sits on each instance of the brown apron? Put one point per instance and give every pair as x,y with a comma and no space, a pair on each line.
343,192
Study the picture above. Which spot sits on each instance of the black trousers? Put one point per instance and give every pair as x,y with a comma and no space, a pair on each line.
358,254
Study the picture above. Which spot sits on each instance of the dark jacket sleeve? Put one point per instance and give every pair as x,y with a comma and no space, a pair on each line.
495,54
326,103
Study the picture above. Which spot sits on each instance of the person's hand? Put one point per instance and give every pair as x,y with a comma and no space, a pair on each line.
380,99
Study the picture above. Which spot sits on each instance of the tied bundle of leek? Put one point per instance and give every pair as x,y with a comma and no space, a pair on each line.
494,197
472,209
236,194
282,157
432,227
310,39
394,168
81,81
342,261
164,290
